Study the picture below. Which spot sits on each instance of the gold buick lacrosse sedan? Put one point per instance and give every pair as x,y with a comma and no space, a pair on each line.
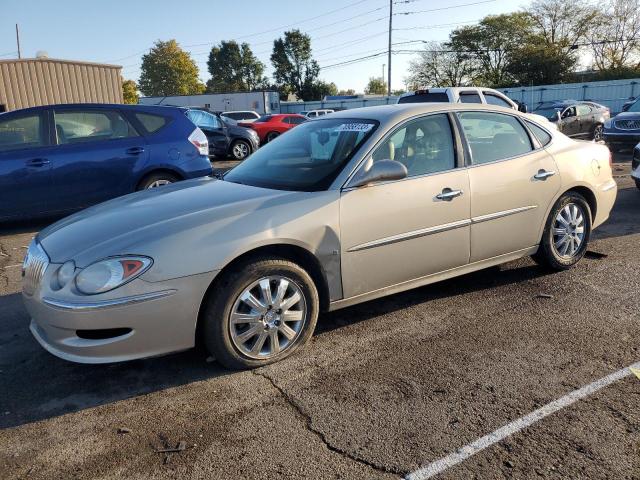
340,210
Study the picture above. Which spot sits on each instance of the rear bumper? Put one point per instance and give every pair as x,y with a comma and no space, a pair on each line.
606,197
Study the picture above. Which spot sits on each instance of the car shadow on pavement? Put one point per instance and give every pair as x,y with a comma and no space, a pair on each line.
35,385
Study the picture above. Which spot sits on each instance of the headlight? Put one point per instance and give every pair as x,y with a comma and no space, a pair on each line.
607,123
111,273
65,273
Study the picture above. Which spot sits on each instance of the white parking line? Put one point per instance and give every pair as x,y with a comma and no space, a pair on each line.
480,444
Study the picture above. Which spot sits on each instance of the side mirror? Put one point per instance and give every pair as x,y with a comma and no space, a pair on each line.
522,107
380,171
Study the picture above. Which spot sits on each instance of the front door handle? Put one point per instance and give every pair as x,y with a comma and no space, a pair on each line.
447,194
37,162
543,174
135,150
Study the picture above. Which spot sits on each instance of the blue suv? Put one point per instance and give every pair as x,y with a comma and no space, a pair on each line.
61,158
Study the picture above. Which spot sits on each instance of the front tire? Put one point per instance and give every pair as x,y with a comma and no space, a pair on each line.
566,233
240,150
260,313
272,136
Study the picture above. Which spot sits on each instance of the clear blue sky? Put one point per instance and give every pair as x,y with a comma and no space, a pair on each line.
117,31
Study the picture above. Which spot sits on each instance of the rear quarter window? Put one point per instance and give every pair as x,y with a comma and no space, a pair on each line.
435,97
151,122
540,133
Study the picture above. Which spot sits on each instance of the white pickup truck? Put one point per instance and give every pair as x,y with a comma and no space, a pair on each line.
468,95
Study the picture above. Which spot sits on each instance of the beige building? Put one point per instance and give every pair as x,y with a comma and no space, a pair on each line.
31,82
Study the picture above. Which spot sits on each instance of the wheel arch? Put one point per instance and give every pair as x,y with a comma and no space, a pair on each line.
288,251
583,190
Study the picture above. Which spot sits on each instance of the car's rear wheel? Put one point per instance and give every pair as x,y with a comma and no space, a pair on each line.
157,180
272,136
240,150
637,183
598,133
261,312
566,233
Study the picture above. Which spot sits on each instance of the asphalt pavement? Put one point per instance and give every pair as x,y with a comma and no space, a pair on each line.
384,388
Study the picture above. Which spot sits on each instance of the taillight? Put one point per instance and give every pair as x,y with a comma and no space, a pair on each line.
199,140
610,158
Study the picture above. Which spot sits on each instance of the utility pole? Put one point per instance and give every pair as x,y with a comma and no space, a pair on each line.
18,41
389,60
382,78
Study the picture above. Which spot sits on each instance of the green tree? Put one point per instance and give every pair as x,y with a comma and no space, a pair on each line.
376,86
295,70
615,35
318,90
234,68
169,70
349,91
489,46
130,92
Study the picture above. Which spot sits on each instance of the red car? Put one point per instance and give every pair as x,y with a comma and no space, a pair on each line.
269,127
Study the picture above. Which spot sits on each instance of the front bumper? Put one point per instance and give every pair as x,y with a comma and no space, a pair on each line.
623,139
156,318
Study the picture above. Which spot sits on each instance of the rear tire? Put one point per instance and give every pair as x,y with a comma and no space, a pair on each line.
280,303
637,183
597,133
157,180
272,136
566,233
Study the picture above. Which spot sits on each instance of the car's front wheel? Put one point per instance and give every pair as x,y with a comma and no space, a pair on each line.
259,313
240,150
566,233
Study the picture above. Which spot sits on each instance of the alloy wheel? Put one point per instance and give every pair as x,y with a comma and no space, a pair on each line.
597,133
240,150
267,317
568,230
159,183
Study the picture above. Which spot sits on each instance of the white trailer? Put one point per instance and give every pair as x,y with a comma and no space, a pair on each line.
261,102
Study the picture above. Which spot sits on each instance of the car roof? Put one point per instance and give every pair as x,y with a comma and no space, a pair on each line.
120,106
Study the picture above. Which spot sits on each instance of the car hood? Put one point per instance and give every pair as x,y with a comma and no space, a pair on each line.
137,223
627,116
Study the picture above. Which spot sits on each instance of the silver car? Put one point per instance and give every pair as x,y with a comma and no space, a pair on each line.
341,210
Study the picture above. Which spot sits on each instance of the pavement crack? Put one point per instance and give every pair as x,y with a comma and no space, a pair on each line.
306,418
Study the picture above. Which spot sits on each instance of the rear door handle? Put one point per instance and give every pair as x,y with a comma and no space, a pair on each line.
543,174
135,150
37,162
447,194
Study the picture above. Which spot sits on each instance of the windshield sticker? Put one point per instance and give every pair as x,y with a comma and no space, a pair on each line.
355,127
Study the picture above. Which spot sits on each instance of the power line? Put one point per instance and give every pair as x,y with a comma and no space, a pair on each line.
446,8
442,25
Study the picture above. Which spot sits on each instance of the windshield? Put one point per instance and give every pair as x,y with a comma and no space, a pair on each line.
307,158
549,113
635,107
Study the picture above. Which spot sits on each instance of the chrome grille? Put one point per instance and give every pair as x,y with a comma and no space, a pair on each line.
628,124
35,263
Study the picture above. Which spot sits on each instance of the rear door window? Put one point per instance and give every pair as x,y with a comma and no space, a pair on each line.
540,133
296,120
583,109
82,126
494,136
25,131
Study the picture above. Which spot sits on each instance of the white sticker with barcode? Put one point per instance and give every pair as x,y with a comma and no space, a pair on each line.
355,127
